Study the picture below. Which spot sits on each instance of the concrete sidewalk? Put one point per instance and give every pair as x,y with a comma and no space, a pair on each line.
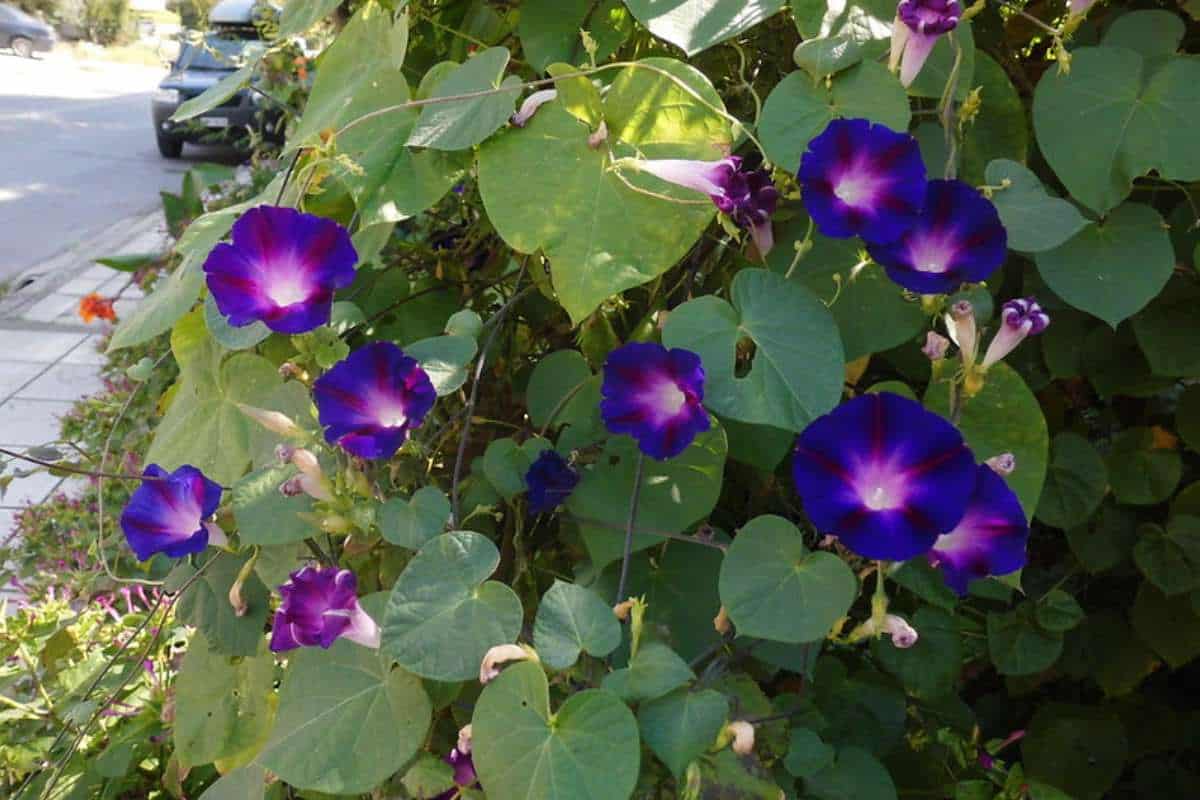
48,357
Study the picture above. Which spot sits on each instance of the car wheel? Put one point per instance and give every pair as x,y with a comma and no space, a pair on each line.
169,148
22,46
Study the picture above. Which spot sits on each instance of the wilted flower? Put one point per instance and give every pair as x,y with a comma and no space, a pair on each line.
903,635
282,268
862,179
464,773
748,197
988,540
655,395
915,31
883,474
320,604
370,401
550,480
168,512
936,346
531,105
1018,318
95,306
957,239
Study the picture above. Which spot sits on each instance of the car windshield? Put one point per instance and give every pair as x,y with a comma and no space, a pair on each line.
10,14
216,53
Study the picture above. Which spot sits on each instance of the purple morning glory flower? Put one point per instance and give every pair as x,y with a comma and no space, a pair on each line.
989,539
464,773
1018,318
958,239
748,197
918,25
370,401
319,605
282,268
550,480
862,179
884,475
168,512
655,395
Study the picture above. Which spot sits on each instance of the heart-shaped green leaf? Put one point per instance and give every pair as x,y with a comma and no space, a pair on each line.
773,587
443,614
1034,219
1075,482
264,514
459,124
571,619
587,750
413,522
680,726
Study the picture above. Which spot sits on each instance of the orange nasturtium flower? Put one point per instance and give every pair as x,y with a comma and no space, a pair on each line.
94,307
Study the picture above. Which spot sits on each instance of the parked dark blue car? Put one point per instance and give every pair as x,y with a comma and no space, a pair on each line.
23,34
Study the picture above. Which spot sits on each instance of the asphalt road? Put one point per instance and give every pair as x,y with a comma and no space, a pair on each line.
77,154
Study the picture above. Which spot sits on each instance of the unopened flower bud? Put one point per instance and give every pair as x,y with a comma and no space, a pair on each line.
291,487
531,105
489,668
464,739
721,623
1003,464
903,635
960,322
305,461
743,736
1019,318
598,136
283,453
936,346
289,370
316,487
271,420
621,610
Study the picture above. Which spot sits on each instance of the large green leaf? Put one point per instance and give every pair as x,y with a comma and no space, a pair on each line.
1079,749
226,335
929,668
1000,130
799,108
549,30
348,719
854,775
807,753
652,672
443,614
203,425
827,56
216,94
600,235
445,360
1018,645
680,726
413,522
1034,219
505,463
587,750
206,605
675,493
571,619
244,783
460,124
1075,482
300,15
222,704
871,311
1141,473
1167,330
773,587
1113,118
264,514
695,25
554,385
1154,33
1004,418
797,371
1170,559
1114,268
1168,624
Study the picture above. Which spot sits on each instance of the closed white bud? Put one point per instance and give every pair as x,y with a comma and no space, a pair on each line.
743,736
501,654
271,420
903,635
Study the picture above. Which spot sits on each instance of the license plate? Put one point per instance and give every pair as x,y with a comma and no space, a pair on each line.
215,122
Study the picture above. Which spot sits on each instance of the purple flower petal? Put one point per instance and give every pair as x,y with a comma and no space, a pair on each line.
1018,318
958,239
282,268
656,396
370,401
550,480
166,514
320,605
884,475
865,180
990,538
464,773
918,25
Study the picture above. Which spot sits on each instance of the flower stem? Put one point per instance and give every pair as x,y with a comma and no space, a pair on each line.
633,506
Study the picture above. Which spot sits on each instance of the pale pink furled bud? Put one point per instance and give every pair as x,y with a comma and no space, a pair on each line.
936,346
283,453
598,136
743,737
1018,318
216,536
1003,464
315,487
721,623
464,739
960,322
489,668
531,105
903,635
271,420
306,461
